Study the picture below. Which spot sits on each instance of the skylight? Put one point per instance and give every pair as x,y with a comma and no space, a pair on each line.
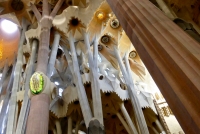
56,83
8,26
60,91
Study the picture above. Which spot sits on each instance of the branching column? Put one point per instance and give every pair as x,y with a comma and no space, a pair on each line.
170,55
142,126
96,95
87,114
39,111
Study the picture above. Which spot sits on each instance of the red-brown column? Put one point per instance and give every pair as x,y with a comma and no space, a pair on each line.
170,55
38,119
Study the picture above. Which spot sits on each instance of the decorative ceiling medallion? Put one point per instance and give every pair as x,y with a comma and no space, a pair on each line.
100,15
105,39
74,21
17,5
36,83
75,24
114,23
100,47
132,54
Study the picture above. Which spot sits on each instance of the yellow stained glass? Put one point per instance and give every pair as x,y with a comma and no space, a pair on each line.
1,49
100,15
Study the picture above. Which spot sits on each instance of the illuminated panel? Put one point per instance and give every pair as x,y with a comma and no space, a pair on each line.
36,83
100,15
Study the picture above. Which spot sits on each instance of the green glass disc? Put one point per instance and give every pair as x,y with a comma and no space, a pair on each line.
36,83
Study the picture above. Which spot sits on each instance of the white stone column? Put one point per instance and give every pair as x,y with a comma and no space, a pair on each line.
128,119
17,74
77,127
54,50
5,69
4,112
87,114
124,123
26,102
96,96
132,93
58,127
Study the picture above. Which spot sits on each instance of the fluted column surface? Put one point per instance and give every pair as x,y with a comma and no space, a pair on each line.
170,55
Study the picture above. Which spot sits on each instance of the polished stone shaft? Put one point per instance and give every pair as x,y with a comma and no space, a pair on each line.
171,56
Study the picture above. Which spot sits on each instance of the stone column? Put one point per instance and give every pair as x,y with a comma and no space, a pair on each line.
84,104
4,112
5,69
17,74
58,127
54,50
69,128
39,110
93,63
140,120
36,114
123,122
128,119
26,102
170,55
77,127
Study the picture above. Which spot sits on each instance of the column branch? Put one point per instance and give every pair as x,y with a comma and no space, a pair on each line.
56,8
36,12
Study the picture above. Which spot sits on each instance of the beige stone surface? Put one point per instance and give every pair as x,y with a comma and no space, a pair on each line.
173,124
20,95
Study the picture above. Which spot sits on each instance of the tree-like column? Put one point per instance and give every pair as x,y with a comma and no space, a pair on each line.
39,110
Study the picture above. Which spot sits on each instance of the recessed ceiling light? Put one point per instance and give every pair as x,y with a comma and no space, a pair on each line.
132,54
56,83
114,23
100,15
8,26
105,39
